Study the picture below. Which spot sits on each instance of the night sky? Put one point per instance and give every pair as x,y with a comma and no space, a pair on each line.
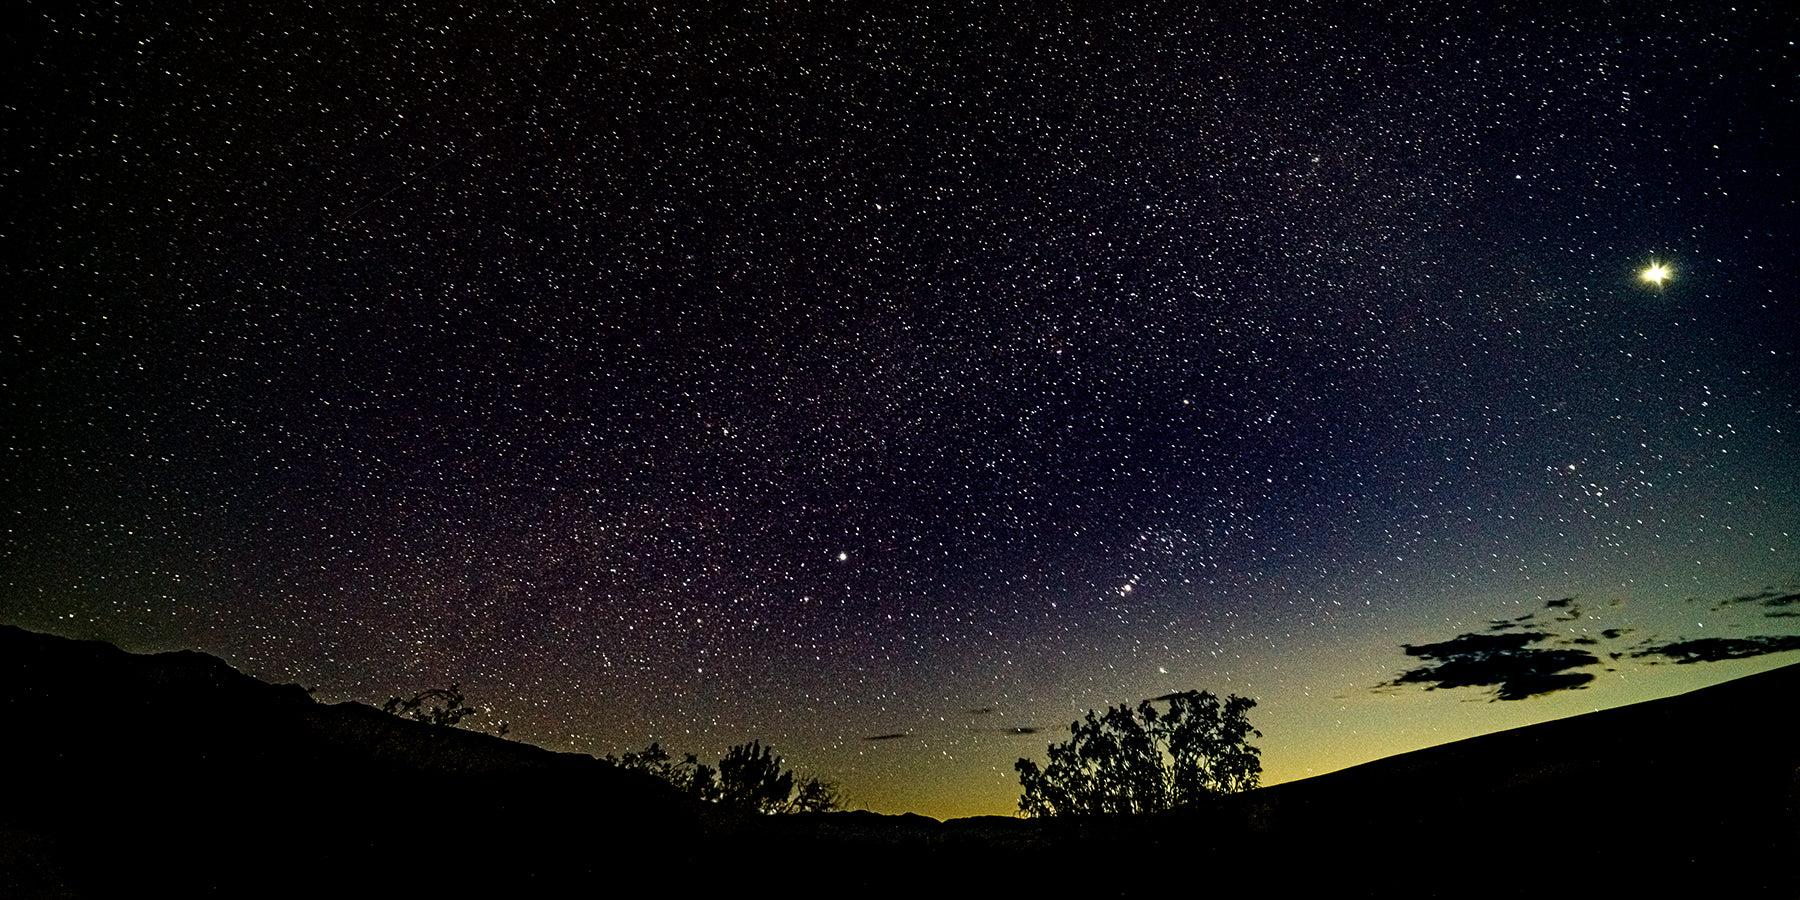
893,386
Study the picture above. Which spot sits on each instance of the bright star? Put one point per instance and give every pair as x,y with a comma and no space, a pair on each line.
1657,273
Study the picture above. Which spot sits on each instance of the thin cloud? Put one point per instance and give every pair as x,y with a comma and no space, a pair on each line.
1717,649
1775,605
888,737
1511,624
1560,610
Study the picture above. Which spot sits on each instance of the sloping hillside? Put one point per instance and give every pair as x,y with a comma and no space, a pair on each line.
176,770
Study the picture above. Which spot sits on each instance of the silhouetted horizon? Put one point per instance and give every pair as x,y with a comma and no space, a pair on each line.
194,777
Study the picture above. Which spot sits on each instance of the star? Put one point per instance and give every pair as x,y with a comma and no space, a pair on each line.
1657,273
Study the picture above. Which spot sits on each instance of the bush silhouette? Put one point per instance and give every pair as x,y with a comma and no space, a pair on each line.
1125,761
438,706
691,776
750,777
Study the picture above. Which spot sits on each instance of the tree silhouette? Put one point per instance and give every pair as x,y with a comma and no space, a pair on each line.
1125,761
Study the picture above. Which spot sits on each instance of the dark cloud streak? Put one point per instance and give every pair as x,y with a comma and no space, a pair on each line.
1719,649
1519,664
1508,663
1776,605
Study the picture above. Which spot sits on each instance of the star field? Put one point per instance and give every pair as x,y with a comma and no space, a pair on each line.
823,374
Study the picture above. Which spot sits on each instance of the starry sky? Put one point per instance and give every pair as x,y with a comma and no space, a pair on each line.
892,383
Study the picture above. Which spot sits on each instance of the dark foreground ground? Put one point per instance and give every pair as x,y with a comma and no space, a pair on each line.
175,775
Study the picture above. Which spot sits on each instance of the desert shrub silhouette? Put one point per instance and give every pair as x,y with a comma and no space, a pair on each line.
438,706
1126,761
690,775
750,777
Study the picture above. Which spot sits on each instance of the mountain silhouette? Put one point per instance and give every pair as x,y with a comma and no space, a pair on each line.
174,774
177,771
